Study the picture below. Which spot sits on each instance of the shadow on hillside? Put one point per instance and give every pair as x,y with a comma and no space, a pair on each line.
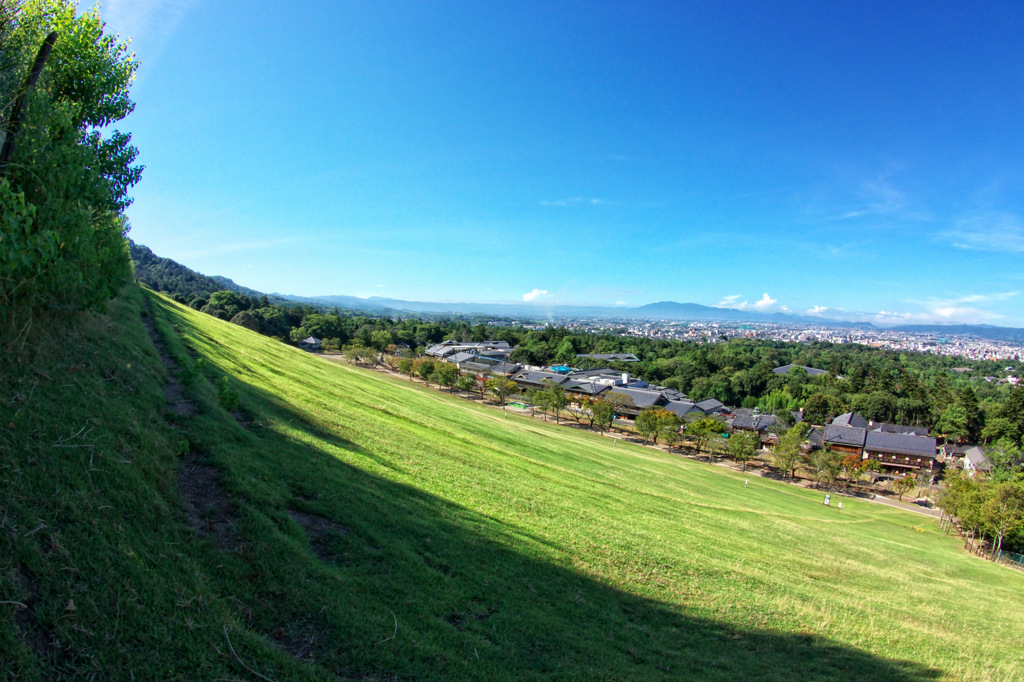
472,597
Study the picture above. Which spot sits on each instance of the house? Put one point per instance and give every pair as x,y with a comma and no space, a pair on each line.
527,378
683,409
901,453
311,343
846,439
898,428
711,406
810,370
484,365
610,357
751,420
494,349
975,460
608,377
850,419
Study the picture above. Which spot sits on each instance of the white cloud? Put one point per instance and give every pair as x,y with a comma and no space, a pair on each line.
816,310
536,294
992,231
620,303
765,303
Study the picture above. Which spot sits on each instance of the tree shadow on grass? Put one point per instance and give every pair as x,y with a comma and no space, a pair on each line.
425,587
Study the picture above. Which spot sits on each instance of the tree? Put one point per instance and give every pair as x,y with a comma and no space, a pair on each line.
246,319
425,368
555,399
501,388
1005,458
902,485
620,403
65,173
380,339
1003,512
743,446
604,413
647,424
853,466
953,422
822,409
717,445
788,454
467,382
826,465
446,375
701,430
405,367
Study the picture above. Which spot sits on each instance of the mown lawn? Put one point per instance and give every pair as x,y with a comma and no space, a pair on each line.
381,529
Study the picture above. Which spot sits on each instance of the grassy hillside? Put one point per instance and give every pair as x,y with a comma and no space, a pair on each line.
345,523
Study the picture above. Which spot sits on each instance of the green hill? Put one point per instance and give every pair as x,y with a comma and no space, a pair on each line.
342,523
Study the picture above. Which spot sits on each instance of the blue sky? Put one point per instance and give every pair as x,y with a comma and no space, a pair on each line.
854,160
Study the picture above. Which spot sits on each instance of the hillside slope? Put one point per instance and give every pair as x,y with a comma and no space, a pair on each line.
346,523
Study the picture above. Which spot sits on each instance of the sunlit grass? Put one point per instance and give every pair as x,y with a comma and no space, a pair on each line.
471,544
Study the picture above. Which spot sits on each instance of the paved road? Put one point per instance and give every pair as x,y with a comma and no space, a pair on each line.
934,513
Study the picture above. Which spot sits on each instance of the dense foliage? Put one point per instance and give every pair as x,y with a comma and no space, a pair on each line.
64,190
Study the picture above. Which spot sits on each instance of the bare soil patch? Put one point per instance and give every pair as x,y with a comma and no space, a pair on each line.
174,390
34,635
207,509
302,639
320,530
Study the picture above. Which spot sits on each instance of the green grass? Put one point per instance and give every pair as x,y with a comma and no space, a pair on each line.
461,543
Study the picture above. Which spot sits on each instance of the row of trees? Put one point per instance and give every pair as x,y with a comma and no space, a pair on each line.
64,172
989,508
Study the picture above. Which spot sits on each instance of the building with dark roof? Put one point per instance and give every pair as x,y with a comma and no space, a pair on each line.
975,460
899,428
848,439
610,357
810,370
850,419
711,406
748,420
901,453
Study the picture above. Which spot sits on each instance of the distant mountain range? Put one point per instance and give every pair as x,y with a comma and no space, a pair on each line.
167,275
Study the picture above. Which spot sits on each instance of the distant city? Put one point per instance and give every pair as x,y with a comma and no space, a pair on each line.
967,346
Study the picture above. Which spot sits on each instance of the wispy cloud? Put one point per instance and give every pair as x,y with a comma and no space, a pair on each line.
817,310
239,247
576,201
536,295
879,197
148,23
990,231
965,308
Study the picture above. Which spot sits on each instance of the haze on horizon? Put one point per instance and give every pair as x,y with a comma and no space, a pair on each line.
853,161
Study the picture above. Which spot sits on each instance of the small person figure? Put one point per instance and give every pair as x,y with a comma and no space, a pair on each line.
746,483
